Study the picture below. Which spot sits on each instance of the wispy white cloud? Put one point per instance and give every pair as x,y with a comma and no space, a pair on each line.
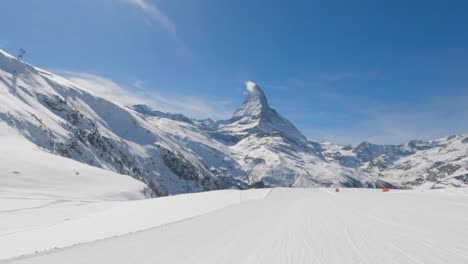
326,78
336,76
138,93
139,84
155,13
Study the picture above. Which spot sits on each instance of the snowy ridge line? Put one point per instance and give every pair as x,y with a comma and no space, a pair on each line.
115,221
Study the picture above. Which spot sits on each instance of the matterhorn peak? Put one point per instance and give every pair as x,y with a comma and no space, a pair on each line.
256,97
253,89
256,116
255,104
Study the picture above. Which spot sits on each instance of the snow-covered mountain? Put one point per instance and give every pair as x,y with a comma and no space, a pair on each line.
60,117
173,154
431,164
255,116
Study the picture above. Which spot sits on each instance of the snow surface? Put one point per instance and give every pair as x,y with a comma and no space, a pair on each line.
287,226
28,172
30,225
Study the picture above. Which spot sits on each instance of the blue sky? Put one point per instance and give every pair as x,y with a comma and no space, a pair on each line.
345,71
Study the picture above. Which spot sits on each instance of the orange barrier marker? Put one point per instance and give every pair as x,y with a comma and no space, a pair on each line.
337,190
385,189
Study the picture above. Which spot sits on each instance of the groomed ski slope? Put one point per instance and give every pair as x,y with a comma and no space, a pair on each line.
33,226
295,226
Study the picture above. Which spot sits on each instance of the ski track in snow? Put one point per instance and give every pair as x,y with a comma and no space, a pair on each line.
296,226
30,208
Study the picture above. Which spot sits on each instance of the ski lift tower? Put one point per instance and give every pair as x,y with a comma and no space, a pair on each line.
21,54
14,79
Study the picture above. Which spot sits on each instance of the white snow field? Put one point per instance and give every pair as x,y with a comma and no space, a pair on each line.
36,226
28,172
286,226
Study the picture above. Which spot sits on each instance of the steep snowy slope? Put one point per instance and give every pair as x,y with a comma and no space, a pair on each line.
279,161
167,154
30,173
